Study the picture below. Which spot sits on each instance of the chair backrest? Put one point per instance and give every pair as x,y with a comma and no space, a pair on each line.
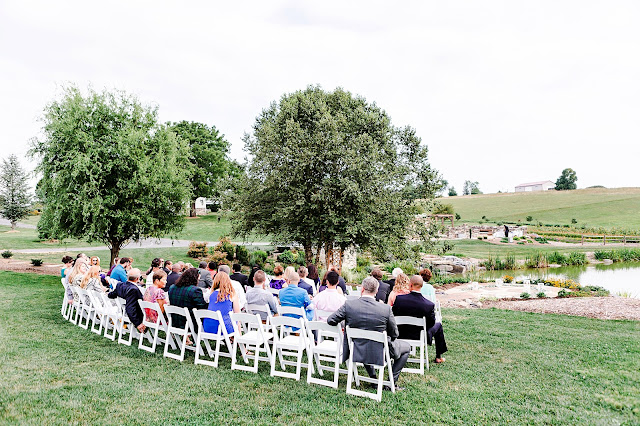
108,306
96,300
291,310
353,296
420,322
273,291
180,311
144,305
428,292
201,314
255,308
358,333
83,295
323,330
243,322
323,314
282,326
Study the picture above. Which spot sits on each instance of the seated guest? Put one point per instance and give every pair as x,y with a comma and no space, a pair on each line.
416,305
341,282
155,267
224,300
402,287
204,276
237,287
176,272
94,261
155,294
392,281
67,264
167,267
383,287
277,281
312,275
330,299
238,276
324,284
257,295
307,285
74,278
294,296
119,272
212,267
427,289
254,268
186,294
91,281
116,261
368,314
130,292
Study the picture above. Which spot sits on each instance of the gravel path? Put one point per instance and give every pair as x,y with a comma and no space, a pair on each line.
592,307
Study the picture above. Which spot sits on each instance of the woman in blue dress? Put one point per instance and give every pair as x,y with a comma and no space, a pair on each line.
223,299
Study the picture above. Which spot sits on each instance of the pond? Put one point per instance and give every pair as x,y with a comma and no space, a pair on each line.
618,278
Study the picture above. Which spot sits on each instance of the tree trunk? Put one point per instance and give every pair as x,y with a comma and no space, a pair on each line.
318,249
328,254
192,212
13,225
115,251
308,253
341,259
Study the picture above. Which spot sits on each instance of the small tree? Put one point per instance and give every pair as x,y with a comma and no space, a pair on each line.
452,192
471,188
14,191
110,172
567,180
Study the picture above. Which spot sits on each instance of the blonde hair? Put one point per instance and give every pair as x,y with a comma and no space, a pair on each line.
76,269
158,275
291,275
94,272
402,283
222,283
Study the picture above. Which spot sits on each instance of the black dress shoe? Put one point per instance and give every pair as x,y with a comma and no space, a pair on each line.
398,388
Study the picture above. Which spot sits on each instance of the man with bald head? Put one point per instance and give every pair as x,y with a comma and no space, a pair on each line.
176,272
131,293
416,305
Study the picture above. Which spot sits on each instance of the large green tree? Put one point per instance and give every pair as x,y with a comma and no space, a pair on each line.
208,152
14,191
567,180
329,170
109,171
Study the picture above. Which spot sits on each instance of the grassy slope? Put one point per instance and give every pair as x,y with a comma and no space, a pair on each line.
592,207
482,249
502,367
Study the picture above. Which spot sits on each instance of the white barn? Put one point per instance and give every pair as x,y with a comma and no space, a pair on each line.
535,186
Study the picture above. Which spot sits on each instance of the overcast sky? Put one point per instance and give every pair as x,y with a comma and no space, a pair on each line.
502,92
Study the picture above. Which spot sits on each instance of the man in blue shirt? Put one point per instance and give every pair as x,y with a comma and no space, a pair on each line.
294,296
119,273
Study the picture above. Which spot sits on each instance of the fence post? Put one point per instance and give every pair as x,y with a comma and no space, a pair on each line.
582,242
624,240
605,240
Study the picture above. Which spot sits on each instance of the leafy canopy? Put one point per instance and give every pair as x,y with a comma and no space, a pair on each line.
470,188
15,199
567,180
109,171
329,168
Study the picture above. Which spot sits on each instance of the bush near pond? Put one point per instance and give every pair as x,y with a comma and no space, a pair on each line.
621,255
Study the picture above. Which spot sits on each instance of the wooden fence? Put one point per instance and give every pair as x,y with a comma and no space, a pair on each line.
610,239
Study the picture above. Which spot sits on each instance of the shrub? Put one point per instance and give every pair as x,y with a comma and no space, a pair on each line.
36,262
301,258
242,254
563,293
541,295
529,218
574,221
504,240
197,250
507,279
577,258
525,295
536,260
287,257
484,218
226,246
7,254
557,258
259,257
458,217
220,258
510,262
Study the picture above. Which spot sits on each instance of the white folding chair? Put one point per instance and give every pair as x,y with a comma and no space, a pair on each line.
352,370
253,308
76,305
99,314
204,337
125,326
153,328
274,291
353,296
286,344
66,306
438,311
86,309
328,347
183,332
249,334
419,345
319,313
113,316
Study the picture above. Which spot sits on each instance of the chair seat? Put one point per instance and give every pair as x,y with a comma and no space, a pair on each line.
329,347
292,341
253,336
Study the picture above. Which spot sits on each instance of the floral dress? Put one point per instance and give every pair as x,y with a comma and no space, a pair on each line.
153,294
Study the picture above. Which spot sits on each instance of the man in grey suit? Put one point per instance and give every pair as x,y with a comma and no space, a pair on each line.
204,276
368,314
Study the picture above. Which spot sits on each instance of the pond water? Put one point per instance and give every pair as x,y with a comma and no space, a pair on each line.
617,278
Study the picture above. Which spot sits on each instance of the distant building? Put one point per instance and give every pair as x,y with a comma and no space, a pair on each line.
535,186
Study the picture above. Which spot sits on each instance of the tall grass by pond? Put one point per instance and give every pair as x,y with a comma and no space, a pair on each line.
620,255
535,260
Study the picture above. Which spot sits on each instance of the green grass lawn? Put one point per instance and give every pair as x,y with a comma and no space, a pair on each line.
592,207
483,249
502,367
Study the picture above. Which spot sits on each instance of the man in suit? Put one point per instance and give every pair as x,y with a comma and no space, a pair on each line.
416,305
204,276
176,272
130,292
368,314
383,288
237,276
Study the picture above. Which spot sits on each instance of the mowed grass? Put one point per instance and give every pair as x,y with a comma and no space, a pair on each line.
592,207
502,367
483,249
